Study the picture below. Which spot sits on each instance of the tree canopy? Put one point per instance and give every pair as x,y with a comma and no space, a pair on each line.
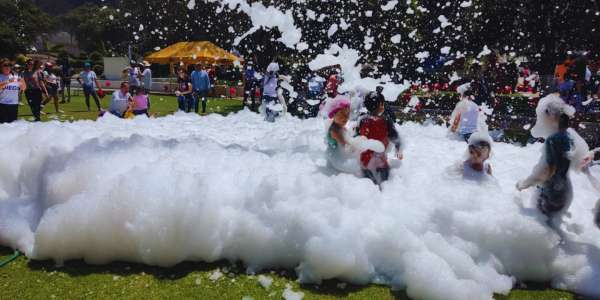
407,38
21,22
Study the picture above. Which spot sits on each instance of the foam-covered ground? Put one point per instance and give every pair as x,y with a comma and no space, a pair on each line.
190,188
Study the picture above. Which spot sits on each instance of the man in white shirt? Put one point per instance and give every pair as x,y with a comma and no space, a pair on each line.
147,77
134,77
147,80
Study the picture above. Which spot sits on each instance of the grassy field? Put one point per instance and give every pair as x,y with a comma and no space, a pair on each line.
26,279
161,105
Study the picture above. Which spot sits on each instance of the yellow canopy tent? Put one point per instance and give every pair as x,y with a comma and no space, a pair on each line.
192,53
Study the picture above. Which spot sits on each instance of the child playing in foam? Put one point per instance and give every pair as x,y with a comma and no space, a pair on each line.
340,112
376,126
465,116
140,103
477,167
564,149
338,143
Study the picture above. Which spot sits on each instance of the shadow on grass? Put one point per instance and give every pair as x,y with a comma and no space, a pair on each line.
330,288
77,268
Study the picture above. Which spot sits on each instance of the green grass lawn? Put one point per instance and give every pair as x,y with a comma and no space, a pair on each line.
27,279
161,105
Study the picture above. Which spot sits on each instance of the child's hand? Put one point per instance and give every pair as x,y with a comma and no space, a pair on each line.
399,155
586,161
521,186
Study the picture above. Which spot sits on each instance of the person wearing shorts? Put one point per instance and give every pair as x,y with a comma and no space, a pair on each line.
89,83
10,88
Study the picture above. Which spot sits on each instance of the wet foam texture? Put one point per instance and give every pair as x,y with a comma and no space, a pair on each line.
183,188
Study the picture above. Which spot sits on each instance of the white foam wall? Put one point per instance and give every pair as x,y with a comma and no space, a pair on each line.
188,188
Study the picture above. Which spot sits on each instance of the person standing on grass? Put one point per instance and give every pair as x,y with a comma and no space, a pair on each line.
201,86
89,83
11,86
147,80
212,75
35,88
66,81
52,85
134,76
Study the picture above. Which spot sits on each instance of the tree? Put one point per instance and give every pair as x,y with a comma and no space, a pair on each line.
21,23
428,36
96,28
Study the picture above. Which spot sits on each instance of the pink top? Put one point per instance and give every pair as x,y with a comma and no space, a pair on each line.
140,102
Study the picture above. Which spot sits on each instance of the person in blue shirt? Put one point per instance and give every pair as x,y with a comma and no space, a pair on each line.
66,80
315,86
201,86
89,82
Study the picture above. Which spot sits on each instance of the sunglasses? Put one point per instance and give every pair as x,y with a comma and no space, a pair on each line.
7,66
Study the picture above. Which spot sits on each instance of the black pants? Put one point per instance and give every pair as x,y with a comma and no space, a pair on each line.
555,197
8,113
201,96
90,92
379,176
66,94
34,98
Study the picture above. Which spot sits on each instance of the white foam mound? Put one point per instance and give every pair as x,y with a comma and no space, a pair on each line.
203,189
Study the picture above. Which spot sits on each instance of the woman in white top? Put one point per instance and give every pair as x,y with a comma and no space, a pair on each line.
53,85
121,101
10,88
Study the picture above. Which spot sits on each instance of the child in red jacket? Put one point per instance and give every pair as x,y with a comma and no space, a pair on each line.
378,127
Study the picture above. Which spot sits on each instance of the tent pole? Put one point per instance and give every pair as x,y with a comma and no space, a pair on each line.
170,74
